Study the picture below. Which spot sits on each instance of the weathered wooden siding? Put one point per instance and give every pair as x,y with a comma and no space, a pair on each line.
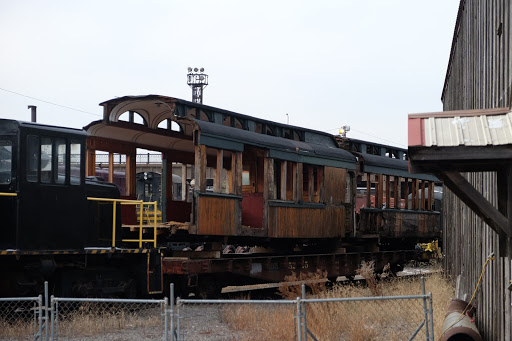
389,223
217,215
335,184
306,222
479,77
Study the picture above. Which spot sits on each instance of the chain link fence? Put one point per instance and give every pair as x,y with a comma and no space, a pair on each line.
120,319
21,318
352,318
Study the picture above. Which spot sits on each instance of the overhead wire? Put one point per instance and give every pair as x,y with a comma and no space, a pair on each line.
48,102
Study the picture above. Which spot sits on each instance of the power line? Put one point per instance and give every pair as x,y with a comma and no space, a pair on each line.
58,105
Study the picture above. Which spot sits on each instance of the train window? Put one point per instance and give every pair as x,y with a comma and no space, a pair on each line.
46,160
32,158
246,180
76,158
5,162
60,174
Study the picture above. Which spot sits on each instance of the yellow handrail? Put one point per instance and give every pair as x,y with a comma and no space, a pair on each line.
129,202
6,194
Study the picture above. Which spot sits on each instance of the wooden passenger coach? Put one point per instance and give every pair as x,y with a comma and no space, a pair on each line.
269,180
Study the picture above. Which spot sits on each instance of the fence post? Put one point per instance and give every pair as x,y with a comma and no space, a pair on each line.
299,320
52,305
304,320
431,313
40,317
178,303
172,311
425,308
46,317
166,320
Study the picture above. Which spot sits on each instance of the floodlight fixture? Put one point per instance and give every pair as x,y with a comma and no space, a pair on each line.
343,131
197,81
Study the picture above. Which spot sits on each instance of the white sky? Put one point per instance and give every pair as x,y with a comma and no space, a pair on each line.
366,64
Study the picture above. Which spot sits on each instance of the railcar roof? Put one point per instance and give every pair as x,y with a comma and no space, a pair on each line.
15,124
218,128
390,166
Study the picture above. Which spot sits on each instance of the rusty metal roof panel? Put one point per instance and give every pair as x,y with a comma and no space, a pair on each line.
461,128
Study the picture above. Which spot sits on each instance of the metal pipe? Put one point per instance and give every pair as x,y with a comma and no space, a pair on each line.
305,327
425,312
178,323
166,320
172,311
33,110
46,309
299,320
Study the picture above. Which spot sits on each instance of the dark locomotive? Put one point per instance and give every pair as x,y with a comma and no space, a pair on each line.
289,193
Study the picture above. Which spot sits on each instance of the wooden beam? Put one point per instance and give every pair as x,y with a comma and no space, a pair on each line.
430,195
131,174
110,167
406,183
476,201
236,173
284,177
368,190
422,195
217,182
320,183
200,168
388,191
396,191
268,178
90,162
311,183
184,190
294,182
379,191
299,183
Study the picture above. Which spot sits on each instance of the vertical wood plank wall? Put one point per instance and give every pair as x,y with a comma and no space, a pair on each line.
479,77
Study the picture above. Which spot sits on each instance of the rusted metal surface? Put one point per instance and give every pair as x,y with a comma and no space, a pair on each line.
276,268
389,223
459,322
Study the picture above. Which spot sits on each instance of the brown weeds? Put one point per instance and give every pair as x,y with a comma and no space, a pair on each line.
360,321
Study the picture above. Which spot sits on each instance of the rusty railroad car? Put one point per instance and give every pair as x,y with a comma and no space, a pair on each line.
287,192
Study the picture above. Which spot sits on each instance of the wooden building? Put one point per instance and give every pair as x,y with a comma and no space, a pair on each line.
469,147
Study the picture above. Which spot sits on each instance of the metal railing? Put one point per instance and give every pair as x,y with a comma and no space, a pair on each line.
141,228
6,194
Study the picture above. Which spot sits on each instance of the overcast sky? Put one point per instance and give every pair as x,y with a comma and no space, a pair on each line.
366,64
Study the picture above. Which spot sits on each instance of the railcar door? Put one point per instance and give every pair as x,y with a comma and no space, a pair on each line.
8,198
53,206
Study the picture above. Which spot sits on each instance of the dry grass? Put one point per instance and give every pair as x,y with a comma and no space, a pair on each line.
359,321
18,330
91,320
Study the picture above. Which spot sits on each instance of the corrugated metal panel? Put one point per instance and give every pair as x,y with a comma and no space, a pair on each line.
478,130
